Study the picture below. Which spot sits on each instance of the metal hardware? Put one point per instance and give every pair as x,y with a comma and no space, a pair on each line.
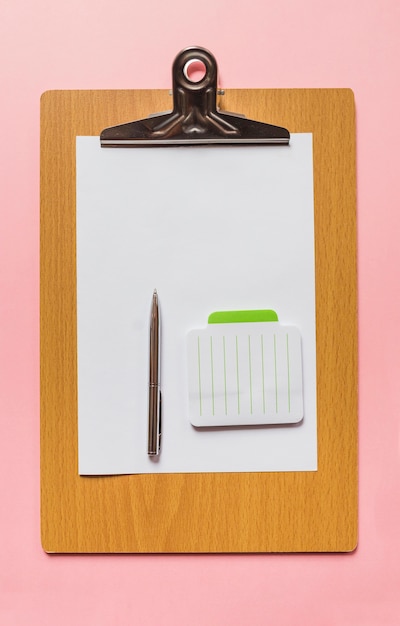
195,118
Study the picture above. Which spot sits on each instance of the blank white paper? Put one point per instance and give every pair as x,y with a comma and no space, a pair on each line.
211,228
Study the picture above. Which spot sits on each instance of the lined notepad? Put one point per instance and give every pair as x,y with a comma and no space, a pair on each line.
246,373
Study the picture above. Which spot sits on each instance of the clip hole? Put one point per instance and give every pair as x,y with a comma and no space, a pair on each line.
194,70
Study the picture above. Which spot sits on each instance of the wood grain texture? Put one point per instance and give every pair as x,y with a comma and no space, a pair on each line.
265,512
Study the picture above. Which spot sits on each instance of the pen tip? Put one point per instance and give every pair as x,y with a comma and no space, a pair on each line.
155,292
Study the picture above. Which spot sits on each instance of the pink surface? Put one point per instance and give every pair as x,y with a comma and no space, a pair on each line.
292,43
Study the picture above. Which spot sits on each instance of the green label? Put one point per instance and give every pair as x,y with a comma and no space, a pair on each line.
235,317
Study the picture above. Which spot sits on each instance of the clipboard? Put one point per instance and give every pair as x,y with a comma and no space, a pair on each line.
248,512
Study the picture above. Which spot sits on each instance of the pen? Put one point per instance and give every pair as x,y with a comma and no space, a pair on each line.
154,439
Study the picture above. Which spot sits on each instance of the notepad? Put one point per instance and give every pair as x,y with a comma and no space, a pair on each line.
244,372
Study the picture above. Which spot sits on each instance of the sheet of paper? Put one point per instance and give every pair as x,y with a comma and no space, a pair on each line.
243,374
223,228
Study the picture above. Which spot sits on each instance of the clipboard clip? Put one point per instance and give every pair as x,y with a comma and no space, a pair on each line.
195,118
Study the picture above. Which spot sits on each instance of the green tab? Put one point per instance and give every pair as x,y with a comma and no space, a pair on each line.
235,317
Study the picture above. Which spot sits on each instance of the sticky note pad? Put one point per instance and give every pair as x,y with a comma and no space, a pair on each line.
245,368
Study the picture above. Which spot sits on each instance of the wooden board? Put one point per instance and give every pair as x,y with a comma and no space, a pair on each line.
263,512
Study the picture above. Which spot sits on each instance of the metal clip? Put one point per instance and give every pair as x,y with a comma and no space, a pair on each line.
195,118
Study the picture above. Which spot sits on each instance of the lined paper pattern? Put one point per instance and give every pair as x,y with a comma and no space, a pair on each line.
245,374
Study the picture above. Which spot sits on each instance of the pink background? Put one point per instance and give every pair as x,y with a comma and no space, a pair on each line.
101,44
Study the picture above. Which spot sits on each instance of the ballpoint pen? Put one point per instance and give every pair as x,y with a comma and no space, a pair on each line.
154,438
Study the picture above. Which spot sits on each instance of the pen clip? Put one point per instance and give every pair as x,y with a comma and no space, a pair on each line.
154,434
159,423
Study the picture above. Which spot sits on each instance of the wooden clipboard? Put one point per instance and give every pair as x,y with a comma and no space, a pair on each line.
202,513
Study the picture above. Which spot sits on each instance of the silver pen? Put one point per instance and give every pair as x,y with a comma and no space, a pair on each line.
154,439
